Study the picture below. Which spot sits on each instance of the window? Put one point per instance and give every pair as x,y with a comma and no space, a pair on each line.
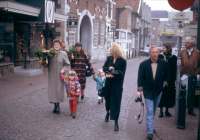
6,42
123,35
102,32
72,36
96,33
111,10
129,20
129,36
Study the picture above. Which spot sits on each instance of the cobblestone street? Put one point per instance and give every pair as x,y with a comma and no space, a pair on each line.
26,113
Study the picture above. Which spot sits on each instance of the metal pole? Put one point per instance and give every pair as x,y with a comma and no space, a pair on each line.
178,79
198,46
139,41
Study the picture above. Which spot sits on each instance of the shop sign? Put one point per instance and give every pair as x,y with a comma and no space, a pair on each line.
49,11
72,22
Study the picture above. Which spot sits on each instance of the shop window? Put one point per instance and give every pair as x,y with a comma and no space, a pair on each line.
123,35
116,34
96,33
6,42
102,32
129,36
72,36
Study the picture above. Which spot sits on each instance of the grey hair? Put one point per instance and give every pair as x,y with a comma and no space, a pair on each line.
192,40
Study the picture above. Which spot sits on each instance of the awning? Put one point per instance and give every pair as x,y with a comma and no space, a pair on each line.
168,32
20,8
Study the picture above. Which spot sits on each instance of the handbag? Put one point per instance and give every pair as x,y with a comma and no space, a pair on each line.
87,72
101,91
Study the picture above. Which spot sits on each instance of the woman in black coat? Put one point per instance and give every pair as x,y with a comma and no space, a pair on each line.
114,83
168,96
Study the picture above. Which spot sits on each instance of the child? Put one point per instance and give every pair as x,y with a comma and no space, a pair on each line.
100,79
73,90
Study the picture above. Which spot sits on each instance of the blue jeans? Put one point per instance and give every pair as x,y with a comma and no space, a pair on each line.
151,106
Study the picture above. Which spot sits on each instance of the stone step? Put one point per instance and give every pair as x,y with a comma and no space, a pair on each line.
27,72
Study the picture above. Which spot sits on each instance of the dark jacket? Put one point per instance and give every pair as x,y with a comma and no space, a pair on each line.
115,85
152,88
168,96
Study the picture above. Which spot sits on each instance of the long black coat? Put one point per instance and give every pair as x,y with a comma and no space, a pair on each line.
168,96
115,85
152,88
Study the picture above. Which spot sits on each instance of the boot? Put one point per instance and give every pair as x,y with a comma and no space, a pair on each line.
55,108
160,115
107,117
116,126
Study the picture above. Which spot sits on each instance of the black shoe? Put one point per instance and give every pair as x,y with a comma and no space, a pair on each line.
71,114
154,131
58,111
160,115
77,102
167,114
107,117
116,126
150,137
82,97
74,116
191,113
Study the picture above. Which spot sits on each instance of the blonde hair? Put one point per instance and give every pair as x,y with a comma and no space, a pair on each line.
71,73
99,72
153,46
116,50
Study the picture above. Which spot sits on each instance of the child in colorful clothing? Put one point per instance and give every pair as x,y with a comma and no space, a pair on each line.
73,90
100,79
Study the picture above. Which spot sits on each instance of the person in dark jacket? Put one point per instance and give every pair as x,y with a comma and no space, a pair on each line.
153,76
168,95
114,83
79,65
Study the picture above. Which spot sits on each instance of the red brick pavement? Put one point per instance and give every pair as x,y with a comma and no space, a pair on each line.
26,113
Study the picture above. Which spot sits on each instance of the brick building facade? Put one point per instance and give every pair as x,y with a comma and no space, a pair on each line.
87,23
133,26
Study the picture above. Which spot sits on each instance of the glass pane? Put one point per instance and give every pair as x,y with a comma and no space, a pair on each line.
6,42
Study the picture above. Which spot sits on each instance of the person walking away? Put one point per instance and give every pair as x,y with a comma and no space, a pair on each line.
58,65
73,90
153,76
190,66
114,83
100,79
168,94
79,65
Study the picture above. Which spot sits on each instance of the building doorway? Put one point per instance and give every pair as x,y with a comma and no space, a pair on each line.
86,34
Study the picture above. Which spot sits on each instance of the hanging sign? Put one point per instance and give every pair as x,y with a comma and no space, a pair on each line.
180,32
49,11
180,16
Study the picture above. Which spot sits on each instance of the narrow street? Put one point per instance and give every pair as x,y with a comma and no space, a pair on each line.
26,113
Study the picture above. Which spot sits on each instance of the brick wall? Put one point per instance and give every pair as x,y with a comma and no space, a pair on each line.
123,19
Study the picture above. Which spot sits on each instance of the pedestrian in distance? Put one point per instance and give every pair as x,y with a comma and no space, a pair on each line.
190,66
114,83
168,93
58,65
100,79
73,90
153,76
79,65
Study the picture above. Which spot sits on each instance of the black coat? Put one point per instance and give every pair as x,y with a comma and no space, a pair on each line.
168,96
115,85
152,88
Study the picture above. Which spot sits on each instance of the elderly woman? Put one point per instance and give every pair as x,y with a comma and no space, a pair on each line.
58,66
114,83
79,65
168,96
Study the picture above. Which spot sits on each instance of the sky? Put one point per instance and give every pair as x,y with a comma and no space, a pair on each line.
160,5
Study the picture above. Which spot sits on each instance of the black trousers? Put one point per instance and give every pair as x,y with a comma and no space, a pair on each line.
107,100
191,92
